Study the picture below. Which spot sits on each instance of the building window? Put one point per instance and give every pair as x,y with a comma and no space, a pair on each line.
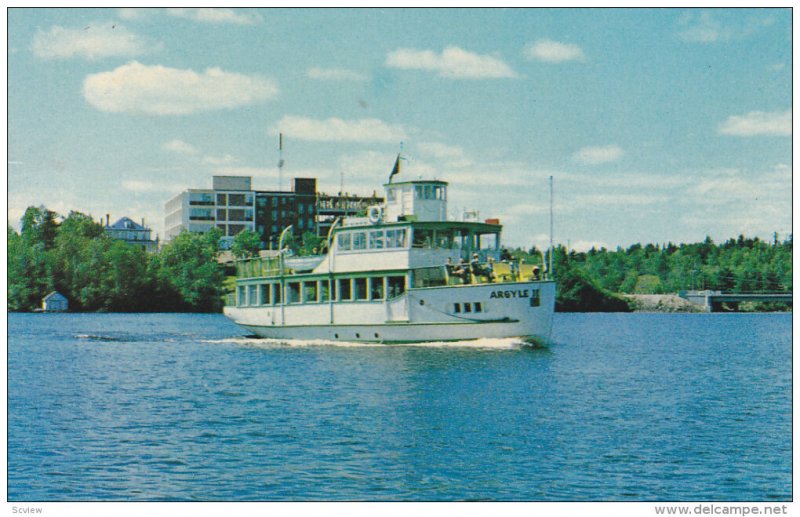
237,200
222,215
274,203
234,229
301,208
222,199
301,224
236,215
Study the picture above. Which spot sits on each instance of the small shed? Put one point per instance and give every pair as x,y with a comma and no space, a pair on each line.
54,302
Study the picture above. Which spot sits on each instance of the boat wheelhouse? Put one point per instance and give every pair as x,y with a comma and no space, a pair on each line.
404,273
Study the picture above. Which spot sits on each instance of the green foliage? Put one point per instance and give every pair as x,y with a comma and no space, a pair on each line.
577,293
96,273
246,244
739,265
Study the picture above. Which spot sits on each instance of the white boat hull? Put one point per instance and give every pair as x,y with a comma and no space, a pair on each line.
517,309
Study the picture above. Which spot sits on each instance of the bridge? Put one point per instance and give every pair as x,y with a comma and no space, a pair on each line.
713,300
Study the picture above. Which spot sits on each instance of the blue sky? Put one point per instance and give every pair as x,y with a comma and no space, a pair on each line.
657,124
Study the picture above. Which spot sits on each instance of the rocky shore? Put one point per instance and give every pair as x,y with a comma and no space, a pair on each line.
660,303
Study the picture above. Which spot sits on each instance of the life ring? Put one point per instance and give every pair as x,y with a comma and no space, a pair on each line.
374,214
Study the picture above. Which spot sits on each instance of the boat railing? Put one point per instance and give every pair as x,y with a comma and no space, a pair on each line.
258,266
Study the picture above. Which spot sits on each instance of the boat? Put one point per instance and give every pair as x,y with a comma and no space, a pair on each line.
403,273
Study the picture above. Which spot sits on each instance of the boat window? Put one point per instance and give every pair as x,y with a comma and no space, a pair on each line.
487,241
359,241
293,292
467,307
265,294
376,288
456,308
536,299
429,192
390,194
252,295
478,307
360,288
418,192
345,289
333,290
440,193
344,241
242,296
397,285
376,240
277,293
309,292
444,239
422,238
396,238
429,277
324,291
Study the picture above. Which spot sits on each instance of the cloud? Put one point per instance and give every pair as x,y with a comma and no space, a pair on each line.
180,147
92,42
595,155
702,28
335,74
216,15
551,51
452,156
338,130
159,90
758,123
219,160
453,63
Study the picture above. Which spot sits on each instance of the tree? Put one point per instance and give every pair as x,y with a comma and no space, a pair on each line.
246,244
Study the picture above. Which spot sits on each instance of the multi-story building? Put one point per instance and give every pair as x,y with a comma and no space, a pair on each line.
131,233
232,206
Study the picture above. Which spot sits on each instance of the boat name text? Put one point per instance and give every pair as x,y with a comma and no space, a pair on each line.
521,293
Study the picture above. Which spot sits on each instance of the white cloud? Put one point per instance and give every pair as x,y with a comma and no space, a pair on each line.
453,62
180,147
133,13
335,74
452,156
594,155
216,15
702,28
159,90
554,52
219,160
338,130
92,42
758,123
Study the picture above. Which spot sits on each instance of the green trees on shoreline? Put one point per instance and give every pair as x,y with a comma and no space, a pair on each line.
96,273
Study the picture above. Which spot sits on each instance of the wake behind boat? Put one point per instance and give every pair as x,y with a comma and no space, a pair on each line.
404,274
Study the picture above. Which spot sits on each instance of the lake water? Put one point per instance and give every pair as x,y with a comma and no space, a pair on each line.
184,407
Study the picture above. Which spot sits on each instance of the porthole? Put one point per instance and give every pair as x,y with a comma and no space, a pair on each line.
336,336
376,335
358,335
422,302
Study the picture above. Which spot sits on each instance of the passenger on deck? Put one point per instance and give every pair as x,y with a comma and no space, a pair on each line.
459,270
505,255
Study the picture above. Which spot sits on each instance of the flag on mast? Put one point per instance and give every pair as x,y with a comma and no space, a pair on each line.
396,169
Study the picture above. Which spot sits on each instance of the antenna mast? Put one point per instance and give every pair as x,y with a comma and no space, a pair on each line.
280,161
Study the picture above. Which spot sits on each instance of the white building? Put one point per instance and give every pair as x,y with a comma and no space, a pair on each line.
229,206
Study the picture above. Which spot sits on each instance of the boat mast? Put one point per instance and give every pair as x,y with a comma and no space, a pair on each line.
550,269
280,162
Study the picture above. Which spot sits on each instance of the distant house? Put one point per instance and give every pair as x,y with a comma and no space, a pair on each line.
54,302
132,233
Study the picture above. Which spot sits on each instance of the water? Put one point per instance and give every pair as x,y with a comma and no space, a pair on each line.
183,407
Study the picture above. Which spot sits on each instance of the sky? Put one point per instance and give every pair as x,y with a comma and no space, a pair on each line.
657,125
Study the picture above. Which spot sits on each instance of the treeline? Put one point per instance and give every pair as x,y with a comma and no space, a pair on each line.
591,280
75,257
